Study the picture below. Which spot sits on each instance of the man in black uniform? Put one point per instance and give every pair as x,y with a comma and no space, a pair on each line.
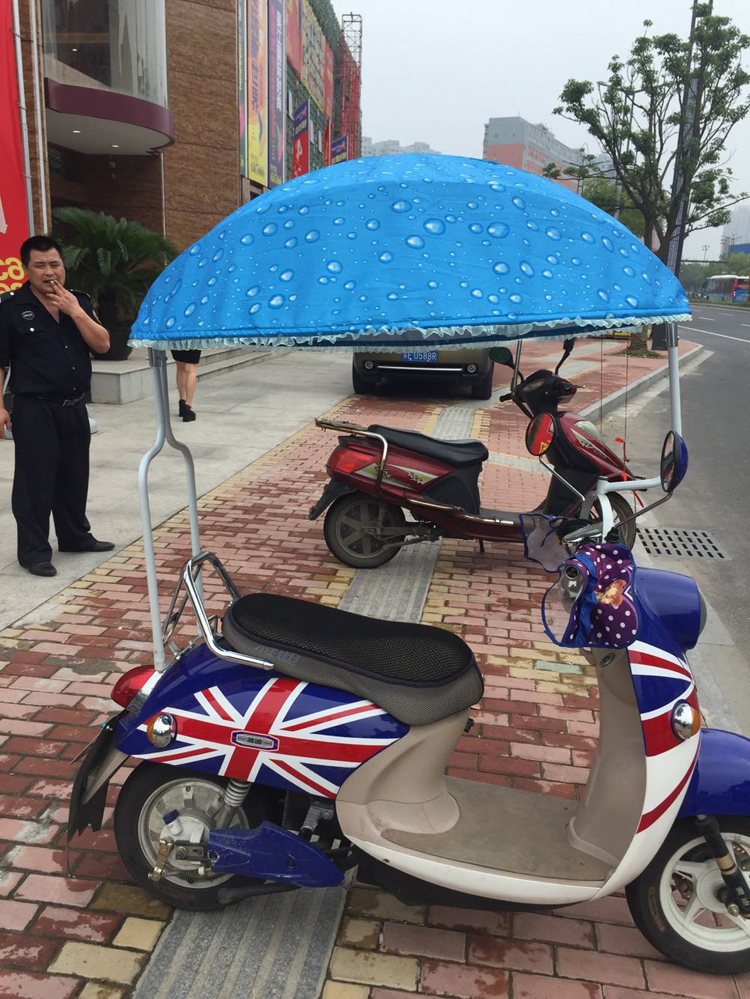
46,335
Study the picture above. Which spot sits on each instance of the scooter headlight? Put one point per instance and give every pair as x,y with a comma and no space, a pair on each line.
571,584
161,730
686,720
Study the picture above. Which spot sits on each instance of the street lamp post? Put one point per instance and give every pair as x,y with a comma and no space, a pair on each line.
690,100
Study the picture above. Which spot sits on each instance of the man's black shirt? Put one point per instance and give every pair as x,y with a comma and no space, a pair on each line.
45,356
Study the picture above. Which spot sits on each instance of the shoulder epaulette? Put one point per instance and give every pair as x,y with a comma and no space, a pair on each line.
6,295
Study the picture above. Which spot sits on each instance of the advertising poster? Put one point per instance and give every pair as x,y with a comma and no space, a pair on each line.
294,35
276,92
257,98
301,140
14,223
340,149
328,82
313,55
242,83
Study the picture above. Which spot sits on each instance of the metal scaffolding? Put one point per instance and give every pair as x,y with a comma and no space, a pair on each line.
350,78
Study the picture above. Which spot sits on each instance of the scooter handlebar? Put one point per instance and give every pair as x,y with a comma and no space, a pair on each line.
505,398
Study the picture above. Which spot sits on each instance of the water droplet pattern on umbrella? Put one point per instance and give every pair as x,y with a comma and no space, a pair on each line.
605,613
443,246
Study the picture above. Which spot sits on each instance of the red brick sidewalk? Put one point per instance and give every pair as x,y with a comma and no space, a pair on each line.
75,926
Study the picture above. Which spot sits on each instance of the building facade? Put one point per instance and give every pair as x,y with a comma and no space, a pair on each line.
392,147
143,108
736,233
521,144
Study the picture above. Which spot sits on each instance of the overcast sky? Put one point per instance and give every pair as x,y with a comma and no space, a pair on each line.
436,70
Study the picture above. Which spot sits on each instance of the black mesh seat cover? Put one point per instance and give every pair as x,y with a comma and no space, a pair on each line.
415,672
458,453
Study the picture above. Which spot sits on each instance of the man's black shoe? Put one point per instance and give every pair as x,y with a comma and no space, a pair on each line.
98,546
40,568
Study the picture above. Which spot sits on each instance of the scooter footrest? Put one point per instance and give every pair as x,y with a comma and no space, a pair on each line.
271,853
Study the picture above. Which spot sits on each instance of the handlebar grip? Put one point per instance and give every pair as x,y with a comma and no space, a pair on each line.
505,398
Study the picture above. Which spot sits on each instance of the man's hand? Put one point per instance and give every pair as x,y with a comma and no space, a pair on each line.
4,422
64,300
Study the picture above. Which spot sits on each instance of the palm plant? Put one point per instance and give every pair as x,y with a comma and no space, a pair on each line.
115,262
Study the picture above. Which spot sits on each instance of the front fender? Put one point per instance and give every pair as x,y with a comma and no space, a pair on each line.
720,784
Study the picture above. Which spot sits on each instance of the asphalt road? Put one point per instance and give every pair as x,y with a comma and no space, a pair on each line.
715,495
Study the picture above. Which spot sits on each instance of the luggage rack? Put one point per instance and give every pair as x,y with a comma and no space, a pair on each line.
342,426
208,626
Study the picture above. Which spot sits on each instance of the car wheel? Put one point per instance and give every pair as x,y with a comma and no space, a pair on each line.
483,388
360,384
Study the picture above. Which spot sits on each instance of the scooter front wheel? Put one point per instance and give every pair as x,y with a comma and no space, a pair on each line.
151,792
621,533
677,902
348,531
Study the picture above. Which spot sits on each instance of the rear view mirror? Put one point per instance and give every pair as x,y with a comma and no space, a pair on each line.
540,434
674,462
501,355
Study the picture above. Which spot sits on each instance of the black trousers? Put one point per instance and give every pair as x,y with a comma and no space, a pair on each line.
51,476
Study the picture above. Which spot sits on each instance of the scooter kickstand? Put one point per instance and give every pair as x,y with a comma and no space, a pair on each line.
481,546
162,856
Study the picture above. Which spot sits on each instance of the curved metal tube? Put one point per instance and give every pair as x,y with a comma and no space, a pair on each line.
192,567
158,362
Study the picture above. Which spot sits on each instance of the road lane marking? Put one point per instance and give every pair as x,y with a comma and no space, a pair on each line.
724,336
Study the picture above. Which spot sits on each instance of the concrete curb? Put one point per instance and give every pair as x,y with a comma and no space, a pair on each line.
613,400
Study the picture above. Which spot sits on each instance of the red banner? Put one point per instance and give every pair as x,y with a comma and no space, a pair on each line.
14,223
294,34
328,82
327,143
301,140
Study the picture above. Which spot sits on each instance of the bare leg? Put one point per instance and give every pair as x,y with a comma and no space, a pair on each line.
191,377
181,378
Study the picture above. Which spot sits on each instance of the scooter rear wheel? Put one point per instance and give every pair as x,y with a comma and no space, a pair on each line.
344,526
152,790
675,902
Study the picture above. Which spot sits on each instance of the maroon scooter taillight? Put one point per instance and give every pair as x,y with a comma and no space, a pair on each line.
130,684
347,460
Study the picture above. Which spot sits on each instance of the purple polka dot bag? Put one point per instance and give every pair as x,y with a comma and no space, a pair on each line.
592,603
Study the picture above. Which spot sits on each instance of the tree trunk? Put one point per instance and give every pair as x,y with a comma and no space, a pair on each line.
638,344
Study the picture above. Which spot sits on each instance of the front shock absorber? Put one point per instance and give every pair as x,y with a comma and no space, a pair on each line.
737,897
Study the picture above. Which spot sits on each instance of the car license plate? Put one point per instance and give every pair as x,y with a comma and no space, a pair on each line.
428,356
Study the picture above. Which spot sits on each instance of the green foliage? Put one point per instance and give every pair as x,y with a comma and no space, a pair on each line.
114,260
601,191
637,113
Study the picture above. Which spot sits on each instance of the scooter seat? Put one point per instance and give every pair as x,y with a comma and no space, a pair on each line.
417,673
456,453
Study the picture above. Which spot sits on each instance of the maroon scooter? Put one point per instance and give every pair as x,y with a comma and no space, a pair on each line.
377,473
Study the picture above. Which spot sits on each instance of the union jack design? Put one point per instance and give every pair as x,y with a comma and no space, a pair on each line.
274,739
661,680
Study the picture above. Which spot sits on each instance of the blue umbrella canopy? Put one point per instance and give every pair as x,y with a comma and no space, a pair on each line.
437,250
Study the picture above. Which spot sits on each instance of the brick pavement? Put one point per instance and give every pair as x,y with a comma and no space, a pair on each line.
72,924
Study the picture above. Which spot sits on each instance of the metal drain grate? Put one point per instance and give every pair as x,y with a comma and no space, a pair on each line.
680,543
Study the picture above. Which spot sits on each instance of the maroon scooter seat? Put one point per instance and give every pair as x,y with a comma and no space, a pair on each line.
460,454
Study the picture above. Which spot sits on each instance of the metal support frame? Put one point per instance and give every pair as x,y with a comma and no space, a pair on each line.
158,364
603,486
157,360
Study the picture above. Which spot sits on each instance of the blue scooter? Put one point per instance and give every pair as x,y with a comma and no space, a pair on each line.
294,741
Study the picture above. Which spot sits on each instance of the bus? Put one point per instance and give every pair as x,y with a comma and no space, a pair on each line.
728,288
